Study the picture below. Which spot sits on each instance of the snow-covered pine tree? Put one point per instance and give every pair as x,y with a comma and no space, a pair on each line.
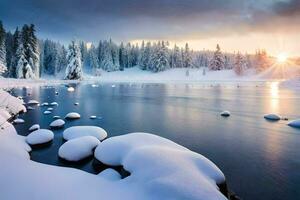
23,69
177,61
114,50
92,59
239,64
3,66
74,67
106,57
160,58
217,62
50,57
187,57
145,57
262,61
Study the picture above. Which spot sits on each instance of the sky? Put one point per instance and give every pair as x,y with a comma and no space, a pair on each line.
237,25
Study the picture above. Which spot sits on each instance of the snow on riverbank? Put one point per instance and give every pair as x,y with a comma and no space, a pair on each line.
160,169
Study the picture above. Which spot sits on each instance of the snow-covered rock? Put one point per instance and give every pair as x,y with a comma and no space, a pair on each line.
93,117
80,131
56,117
40,136
49,109
110,174
45,104
295,123
34,127
225,113
19,121
47,112
54,104
71,89
78,148
76,103
59,123
273,117
30,108
72,115
33,102
162,167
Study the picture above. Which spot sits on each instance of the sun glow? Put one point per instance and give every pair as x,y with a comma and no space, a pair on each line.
282,58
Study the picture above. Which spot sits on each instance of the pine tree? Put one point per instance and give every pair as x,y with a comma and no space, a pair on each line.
262,60
74,68
145,56
122,55
239,64
217,62
187,58
92,58
176,57
3,66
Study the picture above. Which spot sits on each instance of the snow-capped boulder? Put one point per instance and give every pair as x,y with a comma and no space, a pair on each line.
19,121
33,102
34,127
72,115
54,104
71,89
47,112
59,123
56,117
273,117
76,103
49,109
81,131
162,167
225,113
295,123
93,117
45,104
78,148
110,174
30,108
40,136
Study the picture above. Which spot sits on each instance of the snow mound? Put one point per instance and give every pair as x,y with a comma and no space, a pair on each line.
295,123
273,117
30,108
59,123
110,174
47,112
56,117
76,103
34,127
5,114
161,167
50,109
93,117
54,104
225,113
40,136
78,148
80,131
33,102
72,115
19,121
11,104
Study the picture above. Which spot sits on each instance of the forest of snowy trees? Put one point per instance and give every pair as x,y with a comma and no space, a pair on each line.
22,55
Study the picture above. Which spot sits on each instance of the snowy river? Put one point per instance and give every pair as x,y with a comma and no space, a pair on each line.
260,159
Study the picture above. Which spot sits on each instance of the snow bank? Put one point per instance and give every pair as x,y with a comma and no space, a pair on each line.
295,123
80,131
78,148
110,174
72,115
59,123
10,104
40,136
273,117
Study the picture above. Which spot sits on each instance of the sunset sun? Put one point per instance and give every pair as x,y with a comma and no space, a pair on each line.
282,58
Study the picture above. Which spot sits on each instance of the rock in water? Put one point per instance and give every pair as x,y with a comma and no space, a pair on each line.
78,148
273,117
34,127
40,136
225,113
72,115
80,131
59,123
295,123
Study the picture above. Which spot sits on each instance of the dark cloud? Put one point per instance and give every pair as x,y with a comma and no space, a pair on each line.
150,19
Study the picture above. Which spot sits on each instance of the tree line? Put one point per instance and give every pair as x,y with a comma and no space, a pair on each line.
23,55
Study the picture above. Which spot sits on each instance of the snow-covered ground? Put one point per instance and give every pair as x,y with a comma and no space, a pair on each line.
159,169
